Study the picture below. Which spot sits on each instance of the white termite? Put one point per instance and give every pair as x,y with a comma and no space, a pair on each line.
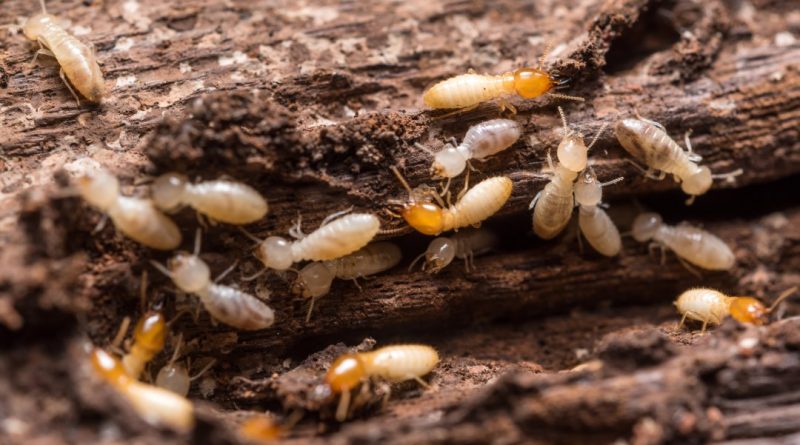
226,201
648,142
78,63
336,237
315,279
689,243
135,217
463,245
227,304
552,207
481,141
595,224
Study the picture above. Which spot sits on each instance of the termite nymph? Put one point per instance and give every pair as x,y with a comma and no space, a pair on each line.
476,205
78,63
336,237
226,201
552,207
137,218
394,364
464,245
648,142
314,280
227,304
711,306
155,405
689,243
481,141
467,91
174,376
595,224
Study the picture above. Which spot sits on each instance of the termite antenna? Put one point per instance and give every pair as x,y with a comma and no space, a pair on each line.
160,267
203,371
424,148
728,176
198,234
563,120
310,309
597,136
123,329
566,97
177,350
402,180
252,237
547,48
44,9
413,263
782,297
143,291
613,181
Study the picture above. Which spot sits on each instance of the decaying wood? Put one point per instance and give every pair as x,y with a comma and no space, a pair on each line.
311,104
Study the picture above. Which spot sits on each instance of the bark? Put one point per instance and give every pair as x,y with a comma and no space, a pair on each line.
312,104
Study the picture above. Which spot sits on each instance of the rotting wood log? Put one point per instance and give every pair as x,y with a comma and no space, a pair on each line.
312,105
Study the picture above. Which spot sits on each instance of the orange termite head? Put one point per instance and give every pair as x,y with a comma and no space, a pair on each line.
108,366
532,82
151,331
345,373
749,310
419,212
260,429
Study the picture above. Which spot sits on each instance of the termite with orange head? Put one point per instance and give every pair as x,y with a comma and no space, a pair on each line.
648,142
394,364
336,237
135,217
595,224
78,63
711,306
467,91
226,201
227,304
315,279
552,207
476,205
464,245
148,340
155,405
689,243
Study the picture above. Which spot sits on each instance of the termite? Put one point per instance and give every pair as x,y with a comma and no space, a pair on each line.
476,205
336,237
227,304
711,306
464,245
148,340
314,280
226,201
394,364
648,142
155,405
481,141
595,224
175,377
689,243
78,63
467,91
135,217
552,206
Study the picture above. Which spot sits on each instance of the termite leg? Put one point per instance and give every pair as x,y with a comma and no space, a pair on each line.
690,199
66,82
422,383
683,320
117,341
296,231
688,267
100,224
705,325
333,216
227,271
694,157
42,51
649,121
504,105
465,188
580,241
550,164
343,407
310,309
535,199
355,281
446,188
254,276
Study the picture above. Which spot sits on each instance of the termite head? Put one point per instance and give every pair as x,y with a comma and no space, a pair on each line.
749,310
441,252
108,367
150,331
168,190
260,429
275,253
313,281
645,226
174,377
448,162
419,211
99,188
588,192
189,272
345,373
532,82
697,183
35,25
